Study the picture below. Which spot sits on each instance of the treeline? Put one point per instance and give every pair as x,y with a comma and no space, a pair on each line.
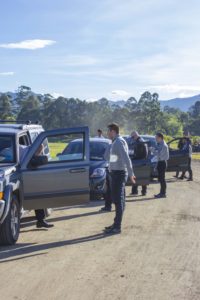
144,115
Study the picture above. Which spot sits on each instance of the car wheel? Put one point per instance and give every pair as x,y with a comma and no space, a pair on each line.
9,230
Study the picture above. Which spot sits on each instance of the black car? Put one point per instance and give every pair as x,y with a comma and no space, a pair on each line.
98,164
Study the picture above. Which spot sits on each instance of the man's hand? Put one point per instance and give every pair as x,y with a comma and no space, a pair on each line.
133,179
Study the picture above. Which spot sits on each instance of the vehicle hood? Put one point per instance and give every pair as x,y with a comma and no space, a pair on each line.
94,164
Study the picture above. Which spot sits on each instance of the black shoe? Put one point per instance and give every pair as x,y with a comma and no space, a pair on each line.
190,179
144,194
181,177
160,196
113,231
105,209
43,224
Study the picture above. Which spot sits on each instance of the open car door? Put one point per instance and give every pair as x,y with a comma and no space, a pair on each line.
142,171
178,159
62,180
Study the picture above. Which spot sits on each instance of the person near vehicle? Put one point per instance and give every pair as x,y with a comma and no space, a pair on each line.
39,213
162,153
140,151
108,195
99,134
120,166
187,147
180,147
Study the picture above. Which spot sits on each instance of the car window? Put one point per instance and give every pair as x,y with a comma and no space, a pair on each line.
23,140
7,149
97,149
175,145
58,143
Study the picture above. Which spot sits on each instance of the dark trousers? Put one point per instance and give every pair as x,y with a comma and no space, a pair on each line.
108,195
189,169
135,189
119,179
161,167
40,214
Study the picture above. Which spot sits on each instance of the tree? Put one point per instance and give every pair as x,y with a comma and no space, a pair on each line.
5,107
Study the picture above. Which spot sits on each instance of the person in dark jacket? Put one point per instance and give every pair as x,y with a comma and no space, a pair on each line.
140,151
187,147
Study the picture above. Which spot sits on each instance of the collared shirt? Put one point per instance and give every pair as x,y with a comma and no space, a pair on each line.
119,157
162,151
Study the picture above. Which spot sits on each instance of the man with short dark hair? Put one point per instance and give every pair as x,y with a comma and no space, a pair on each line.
162,153
119,165
100,134
140,151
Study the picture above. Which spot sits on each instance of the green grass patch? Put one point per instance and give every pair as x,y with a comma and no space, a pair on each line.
196,156
55,148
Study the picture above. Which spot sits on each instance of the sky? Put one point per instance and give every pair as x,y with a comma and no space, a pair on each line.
94,49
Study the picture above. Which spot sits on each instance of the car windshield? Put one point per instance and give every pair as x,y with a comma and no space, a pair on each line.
97,149
7,153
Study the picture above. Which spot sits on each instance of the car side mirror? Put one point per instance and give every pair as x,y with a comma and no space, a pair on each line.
37,161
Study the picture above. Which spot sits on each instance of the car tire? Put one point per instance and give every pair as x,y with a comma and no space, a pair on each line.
9,230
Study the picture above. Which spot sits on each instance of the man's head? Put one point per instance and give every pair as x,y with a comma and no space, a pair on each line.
159,137
99,132
113,130
135,135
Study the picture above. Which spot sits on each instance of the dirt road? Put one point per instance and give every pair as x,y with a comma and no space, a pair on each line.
157,256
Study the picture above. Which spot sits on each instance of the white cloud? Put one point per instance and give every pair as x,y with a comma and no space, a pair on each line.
120,93
28,44
7,73
56,95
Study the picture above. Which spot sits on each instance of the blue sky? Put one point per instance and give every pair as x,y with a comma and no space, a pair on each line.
111,48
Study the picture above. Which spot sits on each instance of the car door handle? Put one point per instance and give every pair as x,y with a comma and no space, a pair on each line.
78,170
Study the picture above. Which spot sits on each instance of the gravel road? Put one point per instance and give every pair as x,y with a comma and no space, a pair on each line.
157,256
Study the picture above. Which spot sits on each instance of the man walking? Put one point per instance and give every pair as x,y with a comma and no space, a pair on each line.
140,151
162,152
119,165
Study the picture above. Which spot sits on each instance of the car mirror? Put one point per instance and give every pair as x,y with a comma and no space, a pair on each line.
37,161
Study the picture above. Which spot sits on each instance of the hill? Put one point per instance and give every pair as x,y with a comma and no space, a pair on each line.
182,103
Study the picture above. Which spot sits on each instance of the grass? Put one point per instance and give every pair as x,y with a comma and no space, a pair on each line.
56,148
196,156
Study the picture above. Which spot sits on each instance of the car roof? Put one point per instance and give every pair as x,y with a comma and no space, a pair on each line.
98,140
20,126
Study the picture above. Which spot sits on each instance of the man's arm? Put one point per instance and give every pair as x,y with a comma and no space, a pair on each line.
125,158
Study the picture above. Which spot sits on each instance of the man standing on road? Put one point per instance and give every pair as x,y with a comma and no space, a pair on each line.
187,147
140,151
119,165
162,152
